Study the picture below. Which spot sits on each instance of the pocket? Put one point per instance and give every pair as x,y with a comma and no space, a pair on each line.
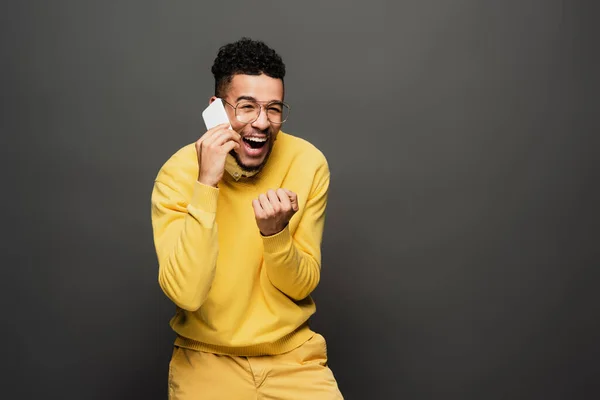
314,350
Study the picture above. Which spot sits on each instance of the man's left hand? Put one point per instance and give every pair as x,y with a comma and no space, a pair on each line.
274,210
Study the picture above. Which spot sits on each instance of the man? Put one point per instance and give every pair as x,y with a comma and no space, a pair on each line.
238,220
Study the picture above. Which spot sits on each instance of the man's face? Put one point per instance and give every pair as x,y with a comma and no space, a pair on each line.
258,136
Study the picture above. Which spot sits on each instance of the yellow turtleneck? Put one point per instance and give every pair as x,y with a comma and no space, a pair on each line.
236,291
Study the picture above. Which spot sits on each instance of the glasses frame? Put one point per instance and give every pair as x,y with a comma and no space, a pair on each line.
260,110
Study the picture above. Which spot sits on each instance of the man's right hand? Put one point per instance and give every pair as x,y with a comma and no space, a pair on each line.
212,149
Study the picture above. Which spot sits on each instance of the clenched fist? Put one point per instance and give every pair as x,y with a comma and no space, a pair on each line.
212,149
274,210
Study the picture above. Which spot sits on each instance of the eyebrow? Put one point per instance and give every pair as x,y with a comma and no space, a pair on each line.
253,99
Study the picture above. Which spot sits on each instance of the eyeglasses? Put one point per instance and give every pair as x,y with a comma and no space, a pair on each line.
248,111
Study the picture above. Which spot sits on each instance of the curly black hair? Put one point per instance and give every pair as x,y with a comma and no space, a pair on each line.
245,56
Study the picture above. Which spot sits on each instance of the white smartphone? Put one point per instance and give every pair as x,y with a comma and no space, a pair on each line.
215,114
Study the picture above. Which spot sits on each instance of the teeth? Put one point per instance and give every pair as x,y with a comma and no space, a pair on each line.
255,139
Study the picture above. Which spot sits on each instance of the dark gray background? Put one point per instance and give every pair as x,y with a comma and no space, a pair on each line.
461,249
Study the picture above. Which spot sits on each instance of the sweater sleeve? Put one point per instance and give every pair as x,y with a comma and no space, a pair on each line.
185,238
293,263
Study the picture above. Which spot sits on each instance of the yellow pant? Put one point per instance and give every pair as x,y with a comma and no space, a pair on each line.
301,374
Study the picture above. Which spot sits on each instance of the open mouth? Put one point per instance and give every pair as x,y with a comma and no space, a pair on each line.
255,142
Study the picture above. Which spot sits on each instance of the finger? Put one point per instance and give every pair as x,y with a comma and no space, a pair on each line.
274,200
284,200
258,211
209,133
266,204
227,136
215,128
205,138
293,199
221,137
223,131
231,145
235,135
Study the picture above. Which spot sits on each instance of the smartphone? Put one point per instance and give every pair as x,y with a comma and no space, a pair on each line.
215,114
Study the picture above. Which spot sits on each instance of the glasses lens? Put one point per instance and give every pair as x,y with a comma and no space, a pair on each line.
277,112
247,111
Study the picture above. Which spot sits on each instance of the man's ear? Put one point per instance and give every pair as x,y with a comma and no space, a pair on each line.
211,100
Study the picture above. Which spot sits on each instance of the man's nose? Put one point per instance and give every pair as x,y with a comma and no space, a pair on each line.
262,122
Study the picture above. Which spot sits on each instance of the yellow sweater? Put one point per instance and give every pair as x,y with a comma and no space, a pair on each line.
236,291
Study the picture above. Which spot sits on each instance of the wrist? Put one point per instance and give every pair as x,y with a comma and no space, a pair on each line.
207,181
273,232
